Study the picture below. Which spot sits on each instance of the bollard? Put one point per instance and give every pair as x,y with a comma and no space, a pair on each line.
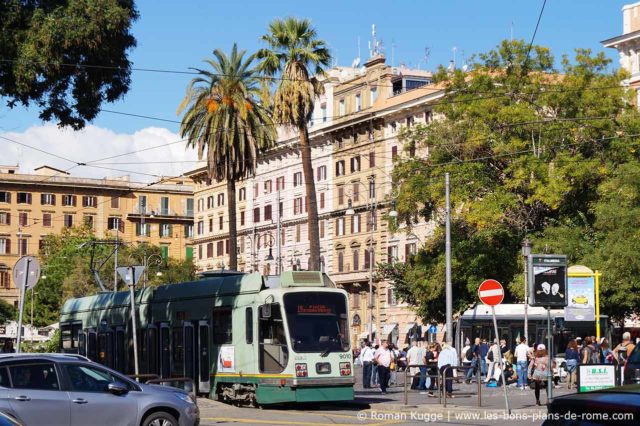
406,395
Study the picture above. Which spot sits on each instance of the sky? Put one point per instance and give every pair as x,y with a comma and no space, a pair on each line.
177,35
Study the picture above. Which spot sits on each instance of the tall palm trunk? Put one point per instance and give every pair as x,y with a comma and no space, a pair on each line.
233,230
310,186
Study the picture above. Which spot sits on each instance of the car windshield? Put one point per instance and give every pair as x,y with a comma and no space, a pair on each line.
317,321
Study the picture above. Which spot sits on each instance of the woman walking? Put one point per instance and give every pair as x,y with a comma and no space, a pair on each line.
572,357
539,364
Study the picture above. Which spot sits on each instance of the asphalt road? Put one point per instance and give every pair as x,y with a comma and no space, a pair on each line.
372,408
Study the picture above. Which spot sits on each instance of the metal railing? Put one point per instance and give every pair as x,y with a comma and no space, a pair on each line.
431,376
465,369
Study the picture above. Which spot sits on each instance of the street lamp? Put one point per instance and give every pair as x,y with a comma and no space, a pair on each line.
393,212
255,244
148,261
526,251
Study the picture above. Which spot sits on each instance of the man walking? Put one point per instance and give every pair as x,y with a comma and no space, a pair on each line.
522,361
367,358
474,350
414,357
382,359
624,349
484,350
448,358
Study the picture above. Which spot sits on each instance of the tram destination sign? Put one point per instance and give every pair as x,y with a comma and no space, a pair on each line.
548,280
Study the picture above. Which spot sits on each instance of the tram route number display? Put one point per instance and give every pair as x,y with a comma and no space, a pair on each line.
548,280
316,309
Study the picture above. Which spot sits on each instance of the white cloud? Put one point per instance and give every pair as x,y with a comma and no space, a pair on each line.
93,143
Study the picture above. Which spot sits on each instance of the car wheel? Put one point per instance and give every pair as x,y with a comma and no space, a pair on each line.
160,419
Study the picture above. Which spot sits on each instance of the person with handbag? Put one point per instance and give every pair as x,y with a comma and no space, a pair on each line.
540,365
382,359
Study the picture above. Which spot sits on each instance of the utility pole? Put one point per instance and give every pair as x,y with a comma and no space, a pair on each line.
526,251
372,206
278,238
115,259
448,290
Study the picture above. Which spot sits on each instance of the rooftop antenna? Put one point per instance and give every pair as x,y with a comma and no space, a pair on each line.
454,50
425,58
356,61
374,45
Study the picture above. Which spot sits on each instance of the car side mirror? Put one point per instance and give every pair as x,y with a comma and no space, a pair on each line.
117,388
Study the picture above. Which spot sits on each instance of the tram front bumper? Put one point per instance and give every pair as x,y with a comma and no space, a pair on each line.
310,382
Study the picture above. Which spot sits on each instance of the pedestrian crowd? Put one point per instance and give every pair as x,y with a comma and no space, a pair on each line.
524,366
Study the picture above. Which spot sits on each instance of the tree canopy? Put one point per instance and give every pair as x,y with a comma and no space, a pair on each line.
532,151
66,57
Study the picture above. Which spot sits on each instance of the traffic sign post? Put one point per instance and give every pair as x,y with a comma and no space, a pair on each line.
131,275
26,273
491,293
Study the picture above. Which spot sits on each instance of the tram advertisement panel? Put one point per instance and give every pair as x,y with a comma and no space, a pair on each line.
226,359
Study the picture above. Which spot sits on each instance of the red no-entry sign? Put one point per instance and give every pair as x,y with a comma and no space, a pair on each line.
491,292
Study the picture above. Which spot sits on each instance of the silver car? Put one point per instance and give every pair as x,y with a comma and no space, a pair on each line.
59,389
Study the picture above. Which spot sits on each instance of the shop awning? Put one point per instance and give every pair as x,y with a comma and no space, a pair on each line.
388,328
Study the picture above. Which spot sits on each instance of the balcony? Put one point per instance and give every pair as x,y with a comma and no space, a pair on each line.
161,214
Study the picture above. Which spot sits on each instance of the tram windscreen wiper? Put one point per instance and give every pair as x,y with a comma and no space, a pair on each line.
325,353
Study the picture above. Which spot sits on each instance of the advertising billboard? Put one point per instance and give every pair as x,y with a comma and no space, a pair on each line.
548,280
580,299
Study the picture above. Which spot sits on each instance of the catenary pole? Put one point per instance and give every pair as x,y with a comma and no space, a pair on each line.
448,290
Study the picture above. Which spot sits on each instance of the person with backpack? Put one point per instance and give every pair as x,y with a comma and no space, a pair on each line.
539,364
572,357
493,357
473,356
624,349
588,354
521,355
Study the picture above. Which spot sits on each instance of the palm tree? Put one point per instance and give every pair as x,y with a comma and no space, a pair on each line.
224,118
293,52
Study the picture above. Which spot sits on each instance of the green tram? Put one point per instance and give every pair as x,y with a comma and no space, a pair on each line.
240,337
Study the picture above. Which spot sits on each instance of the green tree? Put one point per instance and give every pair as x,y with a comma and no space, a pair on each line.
294,52
7,312
223,117
529,150
66,57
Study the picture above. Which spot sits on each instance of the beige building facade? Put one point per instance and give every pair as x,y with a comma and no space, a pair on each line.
354,138
33,206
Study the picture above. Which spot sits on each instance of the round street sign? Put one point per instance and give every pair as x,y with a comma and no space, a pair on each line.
20,269
491,292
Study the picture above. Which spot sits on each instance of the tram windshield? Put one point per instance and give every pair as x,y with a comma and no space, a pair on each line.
317,321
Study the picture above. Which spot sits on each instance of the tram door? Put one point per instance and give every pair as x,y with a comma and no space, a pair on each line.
82,343
203,357
152,349
188,351
92,343
165,350
105,348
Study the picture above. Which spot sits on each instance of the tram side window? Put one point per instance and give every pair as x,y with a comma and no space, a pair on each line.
222,326
249,325
69,336
274,353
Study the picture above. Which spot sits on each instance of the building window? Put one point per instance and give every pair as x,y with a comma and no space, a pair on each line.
255,190
340,261
340,195
189,208
220,199
341,108
372,159
391,296
115,202
321,228
220,223
114,223
188,232
297,179
298,233
68,220
369,258
268,186
355,224
5,197
48,199
142,229
394,152
356,301
210,204
340,226
297,205
355,164
200,204
392,254
200,227
5,218
242,218
321,173
210,224
356,191
428,117
322,200
89,201
220,248
4,279
323,110
23,219
356,260
88,221
279,183
200,251
24,198
280,209
69,200
372,189
209,250
242,194
373,95
358,102
256,215
267,212
23,246
340,168
409,251
5,246
164,206
165,230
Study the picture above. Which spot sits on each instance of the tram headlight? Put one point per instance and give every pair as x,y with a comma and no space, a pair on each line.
301,370
345,368
185,397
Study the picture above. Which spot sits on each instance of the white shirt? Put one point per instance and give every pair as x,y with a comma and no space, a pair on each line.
383,356
367,354
521,352
415,356
448,356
